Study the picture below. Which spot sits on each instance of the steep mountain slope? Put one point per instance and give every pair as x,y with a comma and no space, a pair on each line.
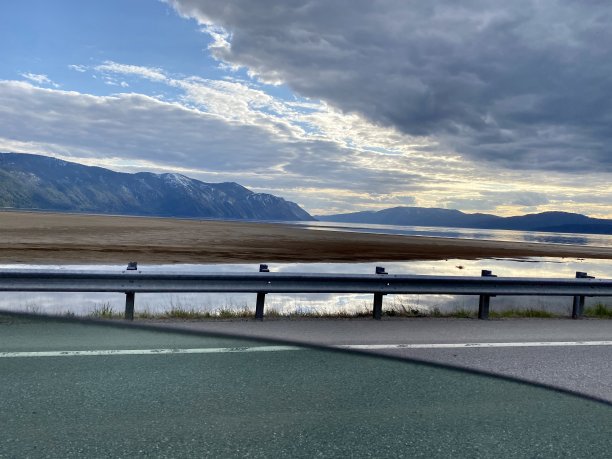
40,182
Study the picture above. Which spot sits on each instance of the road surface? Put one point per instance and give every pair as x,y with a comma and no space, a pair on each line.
547,351
74,390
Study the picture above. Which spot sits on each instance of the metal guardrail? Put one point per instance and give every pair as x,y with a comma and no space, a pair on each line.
132,280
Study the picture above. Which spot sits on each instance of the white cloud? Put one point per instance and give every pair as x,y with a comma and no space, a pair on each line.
39,79
114,82
131,125
78,68
136,70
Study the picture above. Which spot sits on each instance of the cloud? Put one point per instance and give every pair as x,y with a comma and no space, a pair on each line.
529,199
134,126
320,137
522,84
39,79
78,68
137,132
149,73
496,200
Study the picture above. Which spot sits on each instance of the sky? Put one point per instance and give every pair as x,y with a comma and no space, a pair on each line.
338,105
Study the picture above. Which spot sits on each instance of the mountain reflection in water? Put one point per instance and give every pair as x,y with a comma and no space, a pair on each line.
597,240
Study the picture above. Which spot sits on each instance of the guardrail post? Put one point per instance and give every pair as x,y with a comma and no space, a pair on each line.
261,297
129,305
484,300
578,306
378,297
130,297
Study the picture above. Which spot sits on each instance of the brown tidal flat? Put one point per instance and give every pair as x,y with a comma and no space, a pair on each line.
50,238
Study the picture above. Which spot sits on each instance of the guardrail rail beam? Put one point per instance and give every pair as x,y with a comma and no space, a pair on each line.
132,281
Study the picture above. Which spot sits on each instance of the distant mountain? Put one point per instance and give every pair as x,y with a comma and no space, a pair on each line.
562,222
416,216
40,182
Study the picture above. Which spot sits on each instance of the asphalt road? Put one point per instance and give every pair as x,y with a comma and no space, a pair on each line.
73,390
574,367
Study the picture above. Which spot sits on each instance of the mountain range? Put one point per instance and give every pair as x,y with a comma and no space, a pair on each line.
37,182
40,182
563,222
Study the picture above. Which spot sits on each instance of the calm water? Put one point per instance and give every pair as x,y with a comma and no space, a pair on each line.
597,240
84,303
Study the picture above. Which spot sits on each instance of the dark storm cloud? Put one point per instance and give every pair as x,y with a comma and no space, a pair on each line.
524,83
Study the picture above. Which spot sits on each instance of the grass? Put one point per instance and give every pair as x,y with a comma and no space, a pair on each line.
462,313
182,313
518,313
400,310
342,314
104,311
245,313
600,311
392,308
226,313
178,311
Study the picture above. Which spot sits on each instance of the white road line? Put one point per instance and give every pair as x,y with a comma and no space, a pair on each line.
475,345
206,350
222,350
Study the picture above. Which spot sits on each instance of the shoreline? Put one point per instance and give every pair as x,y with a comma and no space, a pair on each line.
56,238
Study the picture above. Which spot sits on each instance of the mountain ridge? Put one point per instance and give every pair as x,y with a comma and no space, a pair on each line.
36,182
553,221
29,181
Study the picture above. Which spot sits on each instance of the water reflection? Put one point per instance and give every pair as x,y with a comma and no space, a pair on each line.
88,303
597,240
556,238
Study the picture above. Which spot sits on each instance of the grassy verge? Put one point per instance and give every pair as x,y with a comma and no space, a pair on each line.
245,313
226,314
600,310
517,313
180,312
105,311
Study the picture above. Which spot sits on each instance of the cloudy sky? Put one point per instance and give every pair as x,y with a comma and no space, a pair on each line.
338,105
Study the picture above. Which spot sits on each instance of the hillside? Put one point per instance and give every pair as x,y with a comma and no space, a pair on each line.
45,183
562,222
